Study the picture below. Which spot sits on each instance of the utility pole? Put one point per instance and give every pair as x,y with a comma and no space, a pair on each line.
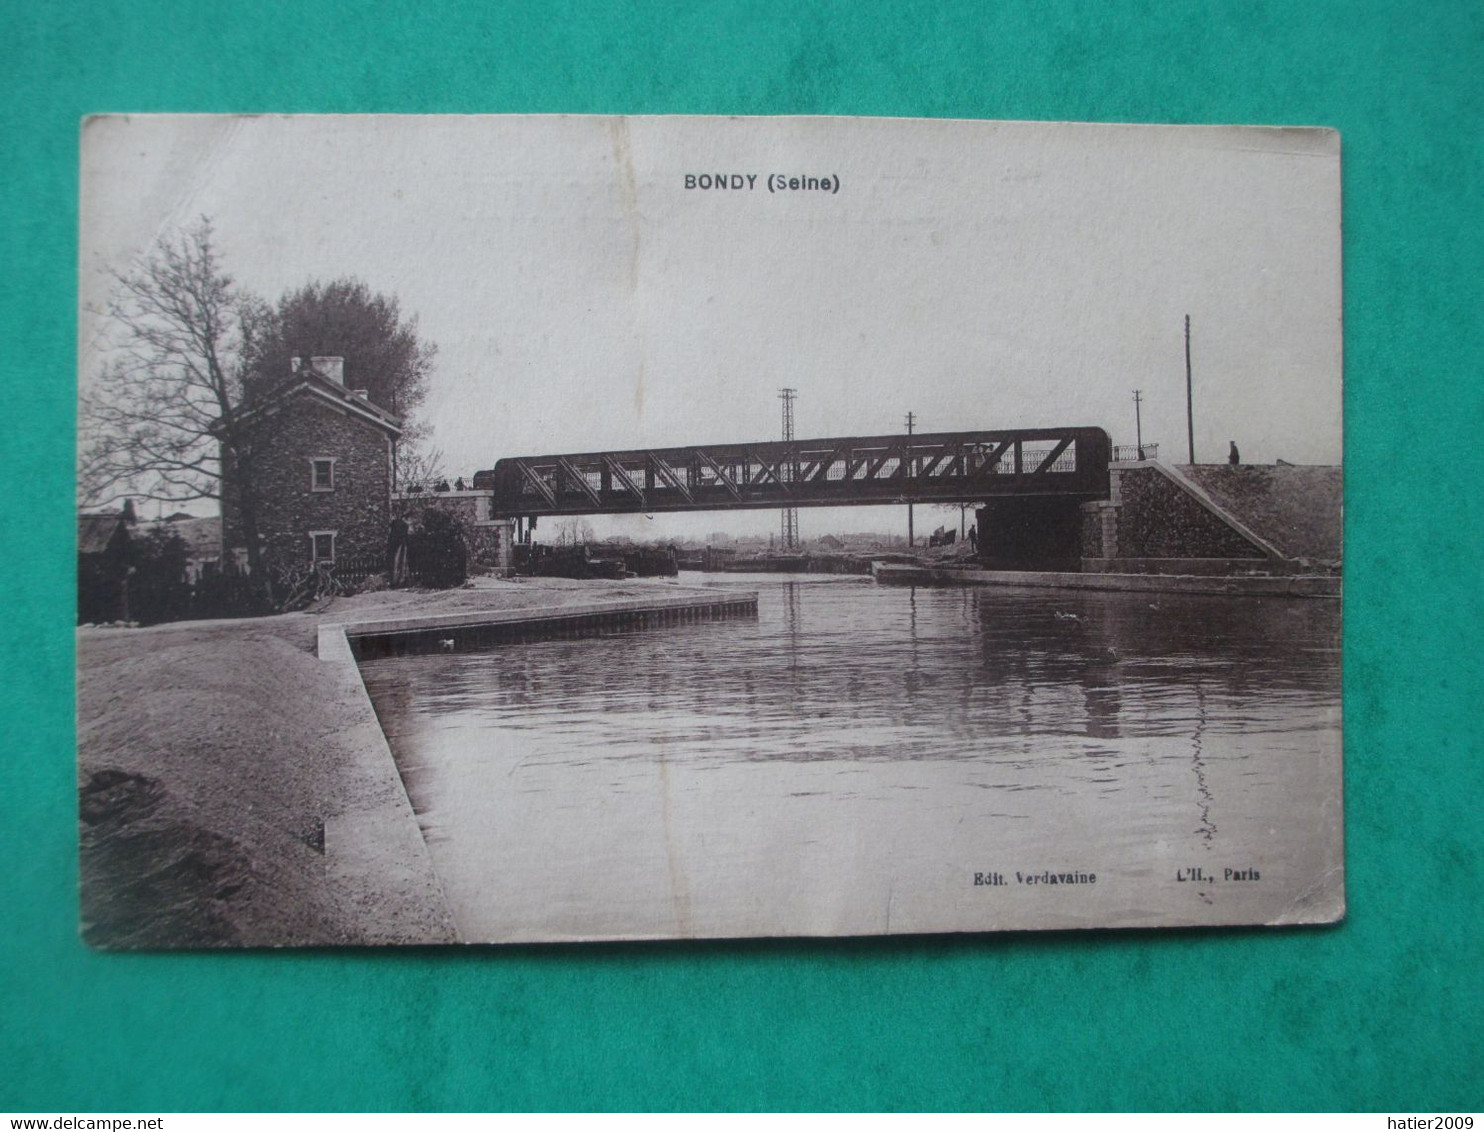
911,421
1189,408
1138,425
790,514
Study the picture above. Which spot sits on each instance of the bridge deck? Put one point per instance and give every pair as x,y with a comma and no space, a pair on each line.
943,467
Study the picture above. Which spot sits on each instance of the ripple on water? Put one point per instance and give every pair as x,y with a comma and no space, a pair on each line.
882,735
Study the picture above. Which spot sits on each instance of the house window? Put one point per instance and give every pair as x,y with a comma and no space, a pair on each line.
322,477
322,546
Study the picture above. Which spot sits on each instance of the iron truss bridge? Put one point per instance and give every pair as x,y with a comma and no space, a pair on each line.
941,467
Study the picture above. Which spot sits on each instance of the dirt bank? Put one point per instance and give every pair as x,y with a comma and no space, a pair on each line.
212,756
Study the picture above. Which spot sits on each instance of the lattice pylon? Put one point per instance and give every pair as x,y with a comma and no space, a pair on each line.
789,470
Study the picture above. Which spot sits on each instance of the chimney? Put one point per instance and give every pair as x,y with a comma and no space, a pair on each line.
295,364
333,368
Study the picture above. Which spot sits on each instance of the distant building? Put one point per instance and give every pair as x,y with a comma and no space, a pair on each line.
829,542
870,541
322,472
104,551
202,536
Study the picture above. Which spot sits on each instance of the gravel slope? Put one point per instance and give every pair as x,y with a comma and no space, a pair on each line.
211,757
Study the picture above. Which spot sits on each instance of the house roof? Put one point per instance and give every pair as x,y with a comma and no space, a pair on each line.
201,534
95,532
313,384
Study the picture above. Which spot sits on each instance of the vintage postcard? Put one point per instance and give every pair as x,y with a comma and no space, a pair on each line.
507,529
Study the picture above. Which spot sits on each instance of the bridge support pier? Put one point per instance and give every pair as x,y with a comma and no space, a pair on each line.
1031,533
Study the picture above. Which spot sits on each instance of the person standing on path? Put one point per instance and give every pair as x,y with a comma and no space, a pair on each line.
396,551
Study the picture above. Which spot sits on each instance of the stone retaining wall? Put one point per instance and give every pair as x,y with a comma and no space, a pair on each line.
1157,518
489,539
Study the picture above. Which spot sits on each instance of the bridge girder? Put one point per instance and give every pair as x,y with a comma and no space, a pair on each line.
945,467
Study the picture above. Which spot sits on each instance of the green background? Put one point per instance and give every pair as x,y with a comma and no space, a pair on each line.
1380,1013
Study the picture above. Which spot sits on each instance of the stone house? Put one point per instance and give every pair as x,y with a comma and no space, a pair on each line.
322,472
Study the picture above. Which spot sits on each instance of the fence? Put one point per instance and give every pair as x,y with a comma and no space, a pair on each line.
351,571
433,561
150,598
1128,452
156,587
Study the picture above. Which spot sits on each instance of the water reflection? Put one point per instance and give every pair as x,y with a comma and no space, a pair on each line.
1207,828
857,738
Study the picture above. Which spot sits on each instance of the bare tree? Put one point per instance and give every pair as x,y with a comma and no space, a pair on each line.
165,413
418,465
189,356
574,532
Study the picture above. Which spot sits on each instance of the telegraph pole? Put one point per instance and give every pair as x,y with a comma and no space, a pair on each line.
1189,409
1138,425
790,514
911,421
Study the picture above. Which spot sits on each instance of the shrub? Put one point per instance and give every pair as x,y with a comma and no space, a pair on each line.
158,589
437,552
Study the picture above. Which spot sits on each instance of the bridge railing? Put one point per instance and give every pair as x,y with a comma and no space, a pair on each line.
1032,455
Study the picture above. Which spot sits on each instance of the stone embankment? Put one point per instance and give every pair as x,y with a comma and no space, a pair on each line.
1212,519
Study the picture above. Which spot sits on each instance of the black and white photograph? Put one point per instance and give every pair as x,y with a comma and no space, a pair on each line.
527,529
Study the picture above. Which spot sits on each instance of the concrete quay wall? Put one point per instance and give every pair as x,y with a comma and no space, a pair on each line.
1299,585
379,849
574,616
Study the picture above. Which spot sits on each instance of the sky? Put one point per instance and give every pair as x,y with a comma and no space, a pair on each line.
982,275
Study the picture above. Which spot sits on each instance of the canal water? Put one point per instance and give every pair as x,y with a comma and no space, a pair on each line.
864,759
